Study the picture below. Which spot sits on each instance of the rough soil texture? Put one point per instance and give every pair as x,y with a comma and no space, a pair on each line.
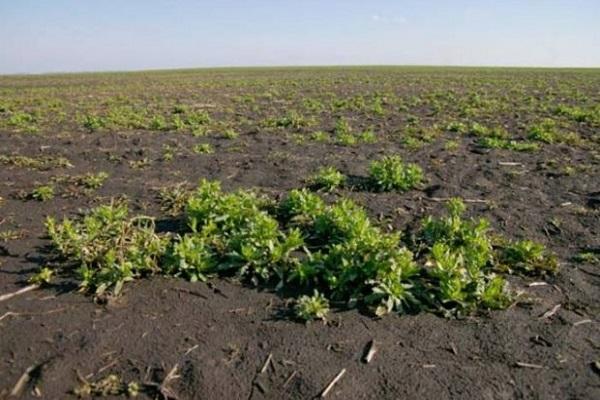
220,334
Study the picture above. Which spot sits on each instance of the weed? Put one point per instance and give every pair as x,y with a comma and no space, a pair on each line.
390,173
367,136
312,307
230,134
140,164
587,257
245,236
203,148
545,131
528,257
328,178
459,260
39,163
173,199
320,136
301,207
191,257
112,385
42,277
108,248
93,122
93,181
42,193
457,127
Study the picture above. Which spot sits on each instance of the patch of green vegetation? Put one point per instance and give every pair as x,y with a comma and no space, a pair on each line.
587,257
140,164
230,134
528,257
40,163
292,119
457,127
173,199
333,251
109,247
203,148
320,136
391,173
312,307
111,385
328,178
245,237
93,122
545,131
497,143
43,193
92,181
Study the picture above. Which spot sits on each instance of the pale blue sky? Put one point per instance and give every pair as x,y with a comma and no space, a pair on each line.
80,35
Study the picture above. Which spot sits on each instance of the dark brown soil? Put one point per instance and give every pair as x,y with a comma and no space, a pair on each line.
220,335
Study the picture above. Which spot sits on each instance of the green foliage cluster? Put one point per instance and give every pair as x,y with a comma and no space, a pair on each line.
344,135
42,193
108,247
391,173
127,117
39,163
328,178
545,131
304,245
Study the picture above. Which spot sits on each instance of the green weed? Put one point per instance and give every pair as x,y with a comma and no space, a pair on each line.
391,173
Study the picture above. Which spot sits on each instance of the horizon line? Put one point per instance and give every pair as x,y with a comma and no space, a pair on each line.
291,66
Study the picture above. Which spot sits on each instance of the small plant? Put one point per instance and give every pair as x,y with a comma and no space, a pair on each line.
367,136
457,127
158,123
43,193
93,181
111,385
328,178
320,136
230,134
173,199
390,173
93,122
203,148
42,277
546,131
38,163
140,164
245,237
528,257
587,257
312,307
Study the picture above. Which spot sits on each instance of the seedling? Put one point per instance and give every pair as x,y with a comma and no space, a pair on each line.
312,307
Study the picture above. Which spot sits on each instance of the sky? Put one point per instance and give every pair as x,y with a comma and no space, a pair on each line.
87,35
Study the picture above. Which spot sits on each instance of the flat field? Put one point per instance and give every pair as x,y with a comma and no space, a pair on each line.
452,308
